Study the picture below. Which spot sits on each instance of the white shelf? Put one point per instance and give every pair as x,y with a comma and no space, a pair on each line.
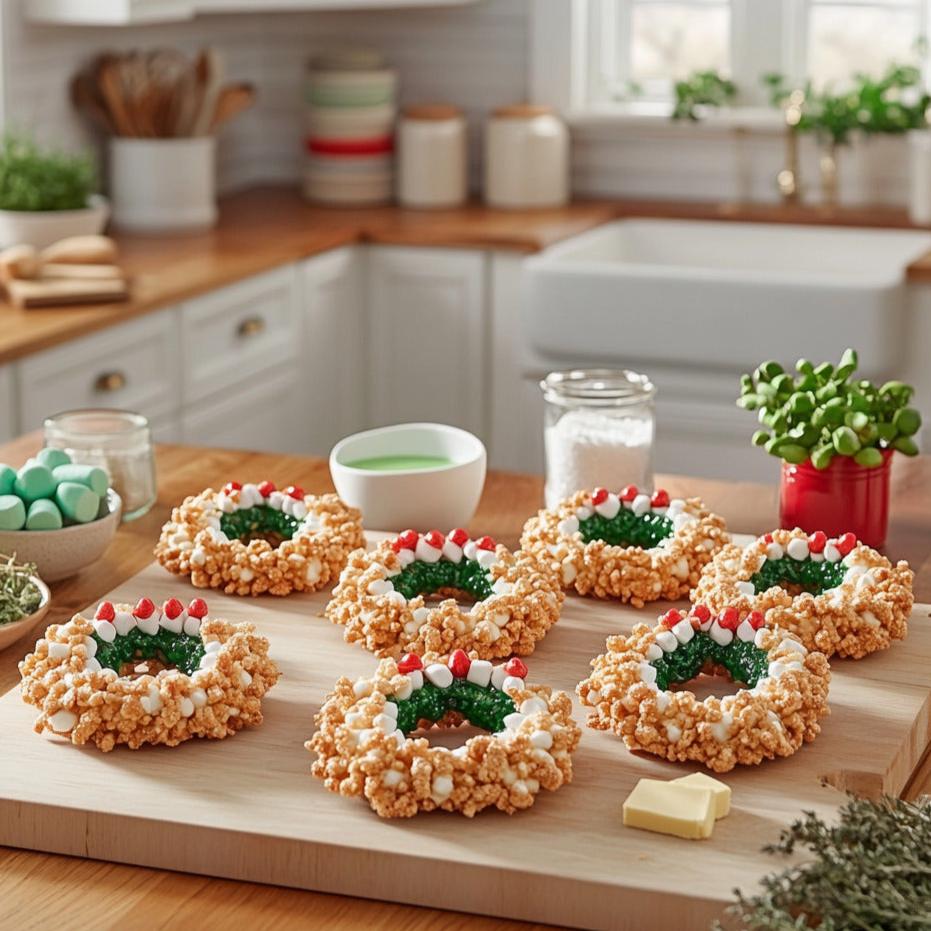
133,12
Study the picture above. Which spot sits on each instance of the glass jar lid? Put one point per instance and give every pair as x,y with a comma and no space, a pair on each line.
597,388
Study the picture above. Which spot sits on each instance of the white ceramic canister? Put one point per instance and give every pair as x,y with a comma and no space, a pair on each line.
432,166
919,199
162,185
526,158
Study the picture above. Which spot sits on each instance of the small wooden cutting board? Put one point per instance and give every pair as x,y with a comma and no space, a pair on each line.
70,284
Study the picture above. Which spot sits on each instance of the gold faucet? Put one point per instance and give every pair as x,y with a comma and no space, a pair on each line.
788,179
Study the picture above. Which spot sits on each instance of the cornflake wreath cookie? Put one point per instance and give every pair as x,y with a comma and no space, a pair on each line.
253,539
144,675
632,546
785,693
380,598
837,596
364,744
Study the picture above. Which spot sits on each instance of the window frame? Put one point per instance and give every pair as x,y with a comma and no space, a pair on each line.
765,36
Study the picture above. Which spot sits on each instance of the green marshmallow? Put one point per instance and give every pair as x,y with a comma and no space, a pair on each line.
52,458
34,481
7,479
77,502
43,515
12,513
91,476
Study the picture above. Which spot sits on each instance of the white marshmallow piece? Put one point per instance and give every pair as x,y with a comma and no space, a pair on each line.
647,673
498,675
149,625
610,506
667,640
640,505
427,553
653,651
774,551
798,548
452,551
174,624
486,558
514,720
721,635
745,632
512,682
124,622
62,721
533,705
470,549
91,645
58,650
746,588
831,553
192,626
105,630
439,674
380,587
684,631
568,526
480,672
583,513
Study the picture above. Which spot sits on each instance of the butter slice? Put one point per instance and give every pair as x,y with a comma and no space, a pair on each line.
670,808
720,791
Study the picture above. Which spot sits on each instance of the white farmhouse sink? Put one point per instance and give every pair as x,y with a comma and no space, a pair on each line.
720,294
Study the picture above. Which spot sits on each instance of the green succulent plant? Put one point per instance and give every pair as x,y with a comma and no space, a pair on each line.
823,412
702,89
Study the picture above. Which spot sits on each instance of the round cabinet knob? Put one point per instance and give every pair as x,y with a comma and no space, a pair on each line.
251,326
109,381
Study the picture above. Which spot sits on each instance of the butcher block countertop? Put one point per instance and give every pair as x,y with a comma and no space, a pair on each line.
265,227
36,890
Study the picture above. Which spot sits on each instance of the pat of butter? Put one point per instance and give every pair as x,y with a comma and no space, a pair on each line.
721,792
668,808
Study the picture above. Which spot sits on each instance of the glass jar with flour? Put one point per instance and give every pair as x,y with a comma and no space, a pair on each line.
598,431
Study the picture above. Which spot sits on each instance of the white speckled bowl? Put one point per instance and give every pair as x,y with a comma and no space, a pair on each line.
422,499
21,629
59,554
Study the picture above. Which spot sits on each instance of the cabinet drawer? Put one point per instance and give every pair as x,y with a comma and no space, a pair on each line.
260,414
7,404
133,366
240,331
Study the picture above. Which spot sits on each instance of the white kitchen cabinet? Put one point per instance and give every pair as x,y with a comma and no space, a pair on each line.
238,332
333,357
260,415
132,12
427,336
135,366
7,404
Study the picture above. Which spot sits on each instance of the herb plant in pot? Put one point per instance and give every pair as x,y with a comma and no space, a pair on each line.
46,196
836,436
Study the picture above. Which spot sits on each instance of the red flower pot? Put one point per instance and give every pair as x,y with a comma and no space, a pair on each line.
843,497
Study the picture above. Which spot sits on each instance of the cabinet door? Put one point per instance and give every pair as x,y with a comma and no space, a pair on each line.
333,361
261,414
246,329
427,336
7,404
134,366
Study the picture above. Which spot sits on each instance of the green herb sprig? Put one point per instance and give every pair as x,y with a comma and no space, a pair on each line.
33,179
871,870
19,596
701,89
892,103
823,412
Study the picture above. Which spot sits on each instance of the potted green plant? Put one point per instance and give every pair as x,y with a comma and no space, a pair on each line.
836,436
891,104
46,195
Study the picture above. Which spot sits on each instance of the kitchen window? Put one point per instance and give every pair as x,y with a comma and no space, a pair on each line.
624,56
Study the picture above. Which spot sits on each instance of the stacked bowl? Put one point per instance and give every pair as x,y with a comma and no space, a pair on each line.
350,103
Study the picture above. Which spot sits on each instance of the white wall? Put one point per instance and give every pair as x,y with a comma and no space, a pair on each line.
475,55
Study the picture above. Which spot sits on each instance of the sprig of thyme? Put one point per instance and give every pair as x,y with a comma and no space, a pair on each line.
871,870
19,596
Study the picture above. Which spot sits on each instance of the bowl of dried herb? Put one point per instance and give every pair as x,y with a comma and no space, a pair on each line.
24,600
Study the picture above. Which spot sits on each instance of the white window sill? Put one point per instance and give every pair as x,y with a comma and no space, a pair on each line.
655,115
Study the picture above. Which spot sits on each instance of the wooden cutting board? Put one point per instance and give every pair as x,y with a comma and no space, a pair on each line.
62,285
247,807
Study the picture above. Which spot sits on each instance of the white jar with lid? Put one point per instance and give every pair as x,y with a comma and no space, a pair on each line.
432,156
526,158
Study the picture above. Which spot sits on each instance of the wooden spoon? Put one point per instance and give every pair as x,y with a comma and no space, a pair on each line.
231,101
209,79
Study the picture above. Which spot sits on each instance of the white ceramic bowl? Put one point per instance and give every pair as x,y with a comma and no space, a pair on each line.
59,554
40,228
21,629
423,499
